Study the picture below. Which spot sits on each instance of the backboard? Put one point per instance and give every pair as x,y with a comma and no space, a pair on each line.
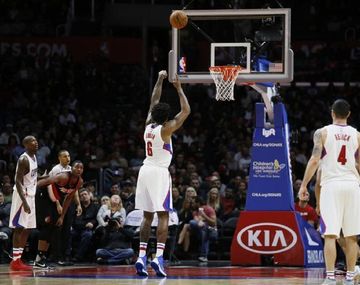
256,39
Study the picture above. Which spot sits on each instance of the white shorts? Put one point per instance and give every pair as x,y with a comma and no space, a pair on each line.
153,190
18,217
340,208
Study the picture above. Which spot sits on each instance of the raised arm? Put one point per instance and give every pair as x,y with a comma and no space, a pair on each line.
21,170
313,162
174,124
156,94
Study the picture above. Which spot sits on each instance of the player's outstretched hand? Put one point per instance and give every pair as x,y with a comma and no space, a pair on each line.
177,83
302,193
162,74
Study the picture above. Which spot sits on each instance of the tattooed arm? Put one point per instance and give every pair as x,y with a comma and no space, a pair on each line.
313,162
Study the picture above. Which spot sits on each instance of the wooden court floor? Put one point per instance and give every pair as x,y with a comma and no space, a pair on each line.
177,275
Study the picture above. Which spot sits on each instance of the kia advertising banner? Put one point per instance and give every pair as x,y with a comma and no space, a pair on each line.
270,184
283,237
121,50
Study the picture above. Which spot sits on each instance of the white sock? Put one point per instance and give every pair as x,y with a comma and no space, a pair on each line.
160,249
17,253
142,249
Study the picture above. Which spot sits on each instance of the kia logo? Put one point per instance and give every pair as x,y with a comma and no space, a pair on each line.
267,238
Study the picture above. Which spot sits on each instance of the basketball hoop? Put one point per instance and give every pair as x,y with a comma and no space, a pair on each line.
224,78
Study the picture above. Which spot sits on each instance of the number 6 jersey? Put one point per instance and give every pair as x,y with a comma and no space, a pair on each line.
340,154
158,153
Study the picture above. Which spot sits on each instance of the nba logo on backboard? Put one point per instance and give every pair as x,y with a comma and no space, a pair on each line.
182,64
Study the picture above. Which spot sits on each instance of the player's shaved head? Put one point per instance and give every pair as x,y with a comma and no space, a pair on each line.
28,139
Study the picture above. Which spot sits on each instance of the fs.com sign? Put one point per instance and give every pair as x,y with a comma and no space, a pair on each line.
267,238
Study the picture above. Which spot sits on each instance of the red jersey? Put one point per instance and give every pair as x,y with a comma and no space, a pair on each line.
308,213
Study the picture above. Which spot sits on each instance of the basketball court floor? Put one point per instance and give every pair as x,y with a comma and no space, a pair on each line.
211,274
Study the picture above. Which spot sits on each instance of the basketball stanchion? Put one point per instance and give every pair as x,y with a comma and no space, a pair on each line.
269,230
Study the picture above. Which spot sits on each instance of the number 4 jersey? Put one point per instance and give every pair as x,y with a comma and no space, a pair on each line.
158,153
340,154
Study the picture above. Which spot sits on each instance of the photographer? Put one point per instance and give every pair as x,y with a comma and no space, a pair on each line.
115,243
115,209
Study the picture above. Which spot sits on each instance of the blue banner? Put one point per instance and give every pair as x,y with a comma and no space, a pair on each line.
270,183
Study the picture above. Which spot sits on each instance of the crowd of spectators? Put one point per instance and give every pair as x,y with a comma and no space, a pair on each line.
34,17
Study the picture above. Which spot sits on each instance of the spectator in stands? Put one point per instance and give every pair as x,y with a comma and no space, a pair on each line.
296,187
195,184
203,225
5,179
128,195
240,196
7,189
137,161
213,200
177,199
185,216
306,211
245,159
216,182
105,200
179,161
5,231
66,118
118,161
84,225
90,187
5,135
115,189
42,154
228,204
13,149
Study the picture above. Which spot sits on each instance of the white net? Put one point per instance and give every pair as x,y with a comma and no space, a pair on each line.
224,78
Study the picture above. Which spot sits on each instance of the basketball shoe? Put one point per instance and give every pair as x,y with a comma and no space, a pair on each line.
158,265
140,266
18,265
43,264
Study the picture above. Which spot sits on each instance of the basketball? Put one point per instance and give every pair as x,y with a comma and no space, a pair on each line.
178,19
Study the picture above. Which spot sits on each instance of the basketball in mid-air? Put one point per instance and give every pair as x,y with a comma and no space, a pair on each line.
178,19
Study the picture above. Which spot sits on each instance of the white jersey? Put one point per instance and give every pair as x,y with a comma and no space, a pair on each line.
340,149
158,153
30,178
59,169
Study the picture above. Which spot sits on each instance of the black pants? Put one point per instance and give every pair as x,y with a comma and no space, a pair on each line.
61,239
